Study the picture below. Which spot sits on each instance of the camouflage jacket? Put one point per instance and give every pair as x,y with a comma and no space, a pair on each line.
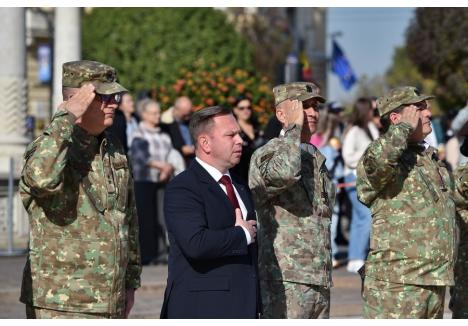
294,198
410,194
459,294
84,249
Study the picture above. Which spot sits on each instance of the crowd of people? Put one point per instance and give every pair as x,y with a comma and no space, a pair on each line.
246,219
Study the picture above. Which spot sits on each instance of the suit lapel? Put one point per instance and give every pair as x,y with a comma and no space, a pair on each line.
213,187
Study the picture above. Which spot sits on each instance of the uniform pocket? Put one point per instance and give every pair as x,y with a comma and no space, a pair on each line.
122,176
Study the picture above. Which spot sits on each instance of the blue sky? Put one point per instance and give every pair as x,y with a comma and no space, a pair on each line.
369,36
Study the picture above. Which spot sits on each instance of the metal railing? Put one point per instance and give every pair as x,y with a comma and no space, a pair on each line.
11,251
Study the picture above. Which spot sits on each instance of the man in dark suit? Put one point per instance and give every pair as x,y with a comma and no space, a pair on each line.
212,228
178,129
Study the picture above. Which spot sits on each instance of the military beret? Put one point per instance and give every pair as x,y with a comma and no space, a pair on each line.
102,76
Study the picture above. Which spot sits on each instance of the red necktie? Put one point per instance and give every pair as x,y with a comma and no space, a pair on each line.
226,181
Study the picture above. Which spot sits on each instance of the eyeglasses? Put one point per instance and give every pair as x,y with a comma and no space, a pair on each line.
116,98
242,108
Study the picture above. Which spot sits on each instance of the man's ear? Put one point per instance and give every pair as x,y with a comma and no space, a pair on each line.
280,116
204,143
395,117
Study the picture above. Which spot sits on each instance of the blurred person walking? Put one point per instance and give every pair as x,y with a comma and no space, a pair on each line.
414,229
150,152
359,134
250,134
83,259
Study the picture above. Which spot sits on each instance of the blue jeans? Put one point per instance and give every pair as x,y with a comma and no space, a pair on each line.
334,228
360,224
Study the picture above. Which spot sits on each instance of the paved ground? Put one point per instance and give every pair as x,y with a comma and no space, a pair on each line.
345,295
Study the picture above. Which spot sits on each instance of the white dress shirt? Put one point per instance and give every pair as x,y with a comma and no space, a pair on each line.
216,175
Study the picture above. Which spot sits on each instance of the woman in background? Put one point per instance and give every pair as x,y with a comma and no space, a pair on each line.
250,134
150,151
359,134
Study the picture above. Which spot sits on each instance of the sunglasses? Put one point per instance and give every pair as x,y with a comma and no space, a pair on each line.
242,108
421,105
116,98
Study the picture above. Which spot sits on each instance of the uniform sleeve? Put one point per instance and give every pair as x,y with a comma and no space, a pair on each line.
133,275
461,186
46,157
276,166
379,164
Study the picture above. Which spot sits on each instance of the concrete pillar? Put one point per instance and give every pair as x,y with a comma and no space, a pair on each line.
67,45
13,88
13,92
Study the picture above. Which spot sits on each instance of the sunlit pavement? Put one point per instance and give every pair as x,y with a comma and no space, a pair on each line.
345,295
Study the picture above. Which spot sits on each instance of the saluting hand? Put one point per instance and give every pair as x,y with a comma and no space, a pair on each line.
251,225
295,114
410,115
79,103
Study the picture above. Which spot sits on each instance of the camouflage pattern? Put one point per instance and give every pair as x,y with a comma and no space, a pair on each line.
41,313
459,293
392,300
410,194
297,91
84,250
294,198
76,73
294,300
400,96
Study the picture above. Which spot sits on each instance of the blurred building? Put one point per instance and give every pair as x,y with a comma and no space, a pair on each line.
32,40
293,39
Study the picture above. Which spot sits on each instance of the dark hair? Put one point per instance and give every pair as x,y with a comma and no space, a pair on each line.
360,115
240,98
385,119
202,120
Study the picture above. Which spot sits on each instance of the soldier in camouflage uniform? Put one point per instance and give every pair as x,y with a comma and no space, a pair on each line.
459,293
84,259
294,197
410,193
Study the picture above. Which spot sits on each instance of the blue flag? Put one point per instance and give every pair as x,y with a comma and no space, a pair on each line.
341,67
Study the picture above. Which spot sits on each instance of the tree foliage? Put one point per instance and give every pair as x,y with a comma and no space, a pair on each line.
403,72
150,47
437,42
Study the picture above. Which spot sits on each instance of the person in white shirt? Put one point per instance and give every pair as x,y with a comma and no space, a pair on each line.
359,134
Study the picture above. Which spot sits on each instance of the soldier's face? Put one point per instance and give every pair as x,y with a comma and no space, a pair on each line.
224,142
424,127
311,116
100,113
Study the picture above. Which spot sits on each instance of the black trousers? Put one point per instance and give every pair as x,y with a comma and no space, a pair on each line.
149,202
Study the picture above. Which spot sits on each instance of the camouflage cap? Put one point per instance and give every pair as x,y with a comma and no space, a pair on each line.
297,91
102,76
399,96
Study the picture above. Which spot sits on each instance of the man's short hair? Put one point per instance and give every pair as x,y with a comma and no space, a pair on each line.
202,120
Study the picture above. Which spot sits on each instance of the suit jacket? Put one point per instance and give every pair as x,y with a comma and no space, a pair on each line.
212,271
177,140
